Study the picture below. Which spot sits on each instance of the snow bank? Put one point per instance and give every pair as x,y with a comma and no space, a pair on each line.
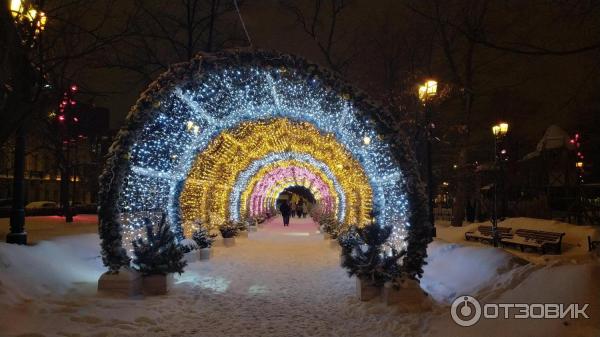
50,267
453,270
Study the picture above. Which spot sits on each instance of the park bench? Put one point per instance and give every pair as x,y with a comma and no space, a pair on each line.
484,233
542,241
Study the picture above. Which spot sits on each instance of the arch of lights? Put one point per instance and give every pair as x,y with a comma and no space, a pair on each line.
210,181
289,174
216,115
241,188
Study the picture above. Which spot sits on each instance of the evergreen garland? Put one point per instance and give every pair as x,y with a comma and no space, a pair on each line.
159,253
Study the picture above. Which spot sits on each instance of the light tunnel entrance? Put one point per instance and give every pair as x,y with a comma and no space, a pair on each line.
221,137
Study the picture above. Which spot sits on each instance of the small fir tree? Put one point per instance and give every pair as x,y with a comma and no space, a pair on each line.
203,238
159,253
369,258
228,229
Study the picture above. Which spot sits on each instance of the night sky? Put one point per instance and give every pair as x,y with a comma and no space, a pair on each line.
531,92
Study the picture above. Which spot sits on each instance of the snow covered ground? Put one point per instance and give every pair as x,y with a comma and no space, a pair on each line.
281,282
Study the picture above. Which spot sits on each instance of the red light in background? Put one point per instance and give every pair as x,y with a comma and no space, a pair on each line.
74,88
61,118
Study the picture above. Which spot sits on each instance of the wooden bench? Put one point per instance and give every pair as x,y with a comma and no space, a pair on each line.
542,241
592,244
484,233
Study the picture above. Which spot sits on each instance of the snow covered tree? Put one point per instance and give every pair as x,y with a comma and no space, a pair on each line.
159,253
203,238
369,258
229,229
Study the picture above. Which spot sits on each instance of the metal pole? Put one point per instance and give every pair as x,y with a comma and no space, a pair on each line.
495,215
17,215
430,170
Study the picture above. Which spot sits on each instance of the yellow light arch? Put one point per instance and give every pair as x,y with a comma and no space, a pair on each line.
205,195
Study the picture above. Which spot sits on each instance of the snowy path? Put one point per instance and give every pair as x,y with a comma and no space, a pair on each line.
278,282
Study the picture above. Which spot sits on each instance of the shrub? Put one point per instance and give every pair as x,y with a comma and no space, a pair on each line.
187,245
159,253
203,238
369,258
228,229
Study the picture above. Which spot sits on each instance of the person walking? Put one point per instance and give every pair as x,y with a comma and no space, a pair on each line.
299,208
304,210
285,212
293,209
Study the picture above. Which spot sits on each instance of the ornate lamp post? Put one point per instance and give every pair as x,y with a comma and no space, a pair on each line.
499,131
427,91
29,22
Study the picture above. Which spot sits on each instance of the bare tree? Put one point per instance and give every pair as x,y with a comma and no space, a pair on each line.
321,22
164,33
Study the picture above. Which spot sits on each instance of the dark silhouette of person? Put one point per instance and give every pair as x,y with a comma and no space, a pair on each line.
285,212
293,209
299,208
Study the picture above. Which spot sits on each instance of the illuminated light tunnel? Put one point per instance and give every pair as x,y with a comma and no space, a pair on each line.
210,135
265,192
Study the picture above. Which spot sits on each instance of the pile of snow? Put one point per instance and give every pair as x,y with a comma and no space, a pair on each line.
453,270
50,267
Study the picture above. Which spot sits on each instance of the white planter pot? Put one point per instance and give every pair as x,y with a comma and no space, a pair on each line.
127,282
366,291
190,257
204,253
229,242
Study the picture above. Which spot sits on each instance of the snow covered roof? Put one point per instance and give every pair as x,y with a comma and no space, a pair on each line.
554,138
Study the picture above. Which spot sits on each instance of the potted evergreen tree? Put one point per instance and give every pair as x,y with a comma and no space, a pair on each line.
204,241
189,248
252,224
157,257
228,231
371,261
242,228
347,240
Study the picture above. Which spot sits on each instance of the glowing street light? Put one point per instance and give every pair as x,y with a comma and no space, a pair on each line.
500,130
367,140
427,90
26,13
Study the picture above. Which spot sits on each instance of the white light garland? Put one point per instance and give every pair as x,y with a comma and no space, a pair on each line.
188,118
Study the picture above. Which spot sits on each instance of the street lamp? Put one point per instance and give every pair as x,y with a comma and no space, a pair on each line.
29,23
28,17
499,131
427,91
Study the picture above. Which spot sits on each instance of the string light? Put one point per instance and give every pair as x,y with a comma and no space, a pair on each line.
168,160
282,159
217,167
